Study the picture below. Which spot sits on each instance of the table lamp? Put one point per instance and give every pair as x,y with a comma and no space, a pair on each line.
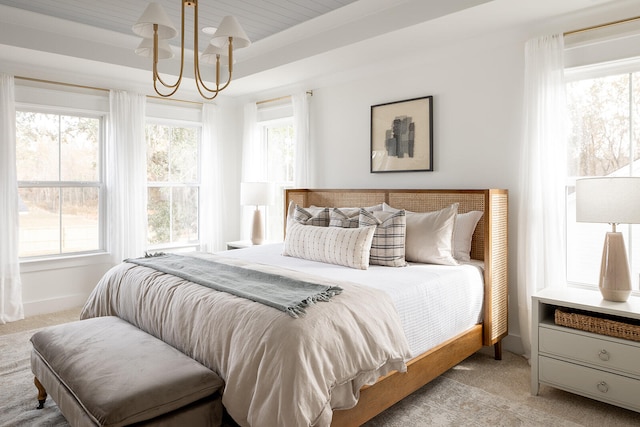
613,200
256,194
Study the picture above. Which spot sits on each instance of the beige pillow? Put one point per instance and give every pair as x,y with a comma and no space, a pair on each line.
463,233
388,245
430,236
350,247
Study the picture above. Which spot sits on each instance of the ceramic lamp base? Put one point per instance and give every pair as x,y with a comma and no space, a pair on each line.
615,280
257,234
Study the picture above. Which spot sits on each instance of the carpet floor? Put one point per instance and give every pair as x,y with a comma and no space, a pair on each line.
478,392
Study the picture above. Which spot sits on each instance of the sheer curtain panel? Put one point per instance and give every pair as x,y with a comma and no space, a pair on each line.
126,175
212,197
541,254
301,172
10,285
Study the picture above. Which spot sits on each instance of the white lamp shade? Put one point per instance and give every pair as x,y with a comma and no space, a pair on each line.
230,27
145,48
209,55
255,193
614,200
155,14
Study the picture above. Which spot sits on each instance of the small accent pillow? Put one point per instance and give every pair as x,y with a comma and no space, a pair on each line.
388,245
320,218
350,247
338,218
463,233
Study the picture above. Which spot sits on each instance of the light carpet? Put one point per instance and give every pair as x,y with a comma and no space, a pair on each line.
478,392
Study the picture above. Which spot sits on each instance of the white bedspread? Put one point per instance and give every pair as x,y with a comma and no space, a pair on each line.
278,371
435,302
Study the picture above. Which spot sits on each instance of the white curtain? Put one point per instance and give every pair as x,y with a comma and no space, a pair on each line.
253,161
212,198
253,164
302,172
126,175
541,253
10,285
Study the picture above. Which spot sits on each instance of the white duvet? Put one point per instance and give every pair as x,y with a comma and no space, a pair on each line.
435,302
278,371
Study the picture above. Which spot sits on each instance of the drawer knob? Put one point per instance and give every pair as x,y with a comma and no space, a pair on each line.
603,387
604,355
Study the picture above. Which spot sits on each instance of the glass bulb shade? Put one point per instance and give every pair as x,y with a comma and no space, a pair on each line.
155,14
256,193
230,27
145,48
614,200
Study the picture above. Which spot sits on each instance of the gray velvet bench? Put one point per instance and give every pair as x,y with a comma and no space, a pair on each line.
106,372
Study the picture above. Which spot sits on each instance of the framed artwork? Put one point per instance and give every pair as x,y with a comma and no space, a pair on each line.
402,136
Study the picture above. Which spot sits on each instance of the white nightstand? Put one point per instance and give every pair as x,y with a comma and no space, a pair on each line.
598,366
241,244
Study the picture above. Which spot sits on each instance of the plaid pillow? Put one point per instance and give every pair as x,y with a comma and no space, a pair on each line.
320,218
387,247
337,218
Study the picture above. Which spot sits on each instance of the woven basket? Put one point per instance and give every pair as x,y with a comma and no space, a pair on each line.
598,325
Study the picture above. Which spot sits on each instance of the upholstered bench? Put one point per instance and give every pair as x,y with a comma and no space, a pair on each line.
106,372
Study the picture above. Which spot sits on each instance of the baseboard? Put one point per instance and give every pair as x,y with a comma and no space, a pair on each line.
34,308
513,343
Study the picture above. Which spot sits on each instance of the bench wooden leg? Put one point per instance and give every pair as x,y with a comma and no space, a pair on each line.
42,393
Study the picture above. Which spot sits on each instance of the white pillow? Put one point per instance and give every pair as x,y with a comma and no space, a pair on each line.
463,233
388,245
332,245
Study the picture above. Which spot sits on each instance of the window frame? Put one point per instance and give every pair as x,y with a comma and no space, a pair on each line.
602,70
180,246
60,184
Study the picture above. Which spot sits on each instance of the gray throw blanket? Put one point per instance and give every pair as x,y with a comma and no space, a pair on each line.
280,292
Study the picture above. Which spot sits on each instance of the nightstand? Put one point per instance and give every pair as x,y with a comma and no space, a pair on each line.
241,244
597,366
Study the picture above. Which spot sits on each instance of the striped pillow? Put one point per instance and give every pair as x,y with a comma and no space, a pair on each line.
387,247
338,218
332,245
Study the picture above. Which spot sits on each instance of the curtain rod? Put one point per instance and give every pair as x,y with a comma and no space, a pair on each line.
101,89
280,98
597,27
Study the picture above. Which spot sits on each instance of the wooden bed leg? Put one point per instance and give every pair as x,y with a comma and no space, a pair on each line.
497,348
42,393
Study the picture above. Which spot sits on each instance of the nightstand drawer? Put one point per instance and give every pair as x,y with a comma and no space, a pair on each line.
601,385
599,351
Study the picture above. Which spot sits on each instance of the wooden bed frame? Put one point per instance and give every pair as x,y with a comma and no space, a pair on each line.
489,244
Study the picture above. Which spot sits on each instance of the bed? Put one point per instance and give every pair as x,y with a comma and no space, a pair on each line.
396,364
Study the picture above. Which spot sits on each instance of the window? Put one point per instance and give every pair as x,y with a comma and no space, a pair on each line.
173,180
277,138
604,140
59,170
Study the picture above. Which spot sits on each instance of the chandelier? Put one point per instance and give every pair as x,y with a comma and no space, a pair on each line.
155,27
